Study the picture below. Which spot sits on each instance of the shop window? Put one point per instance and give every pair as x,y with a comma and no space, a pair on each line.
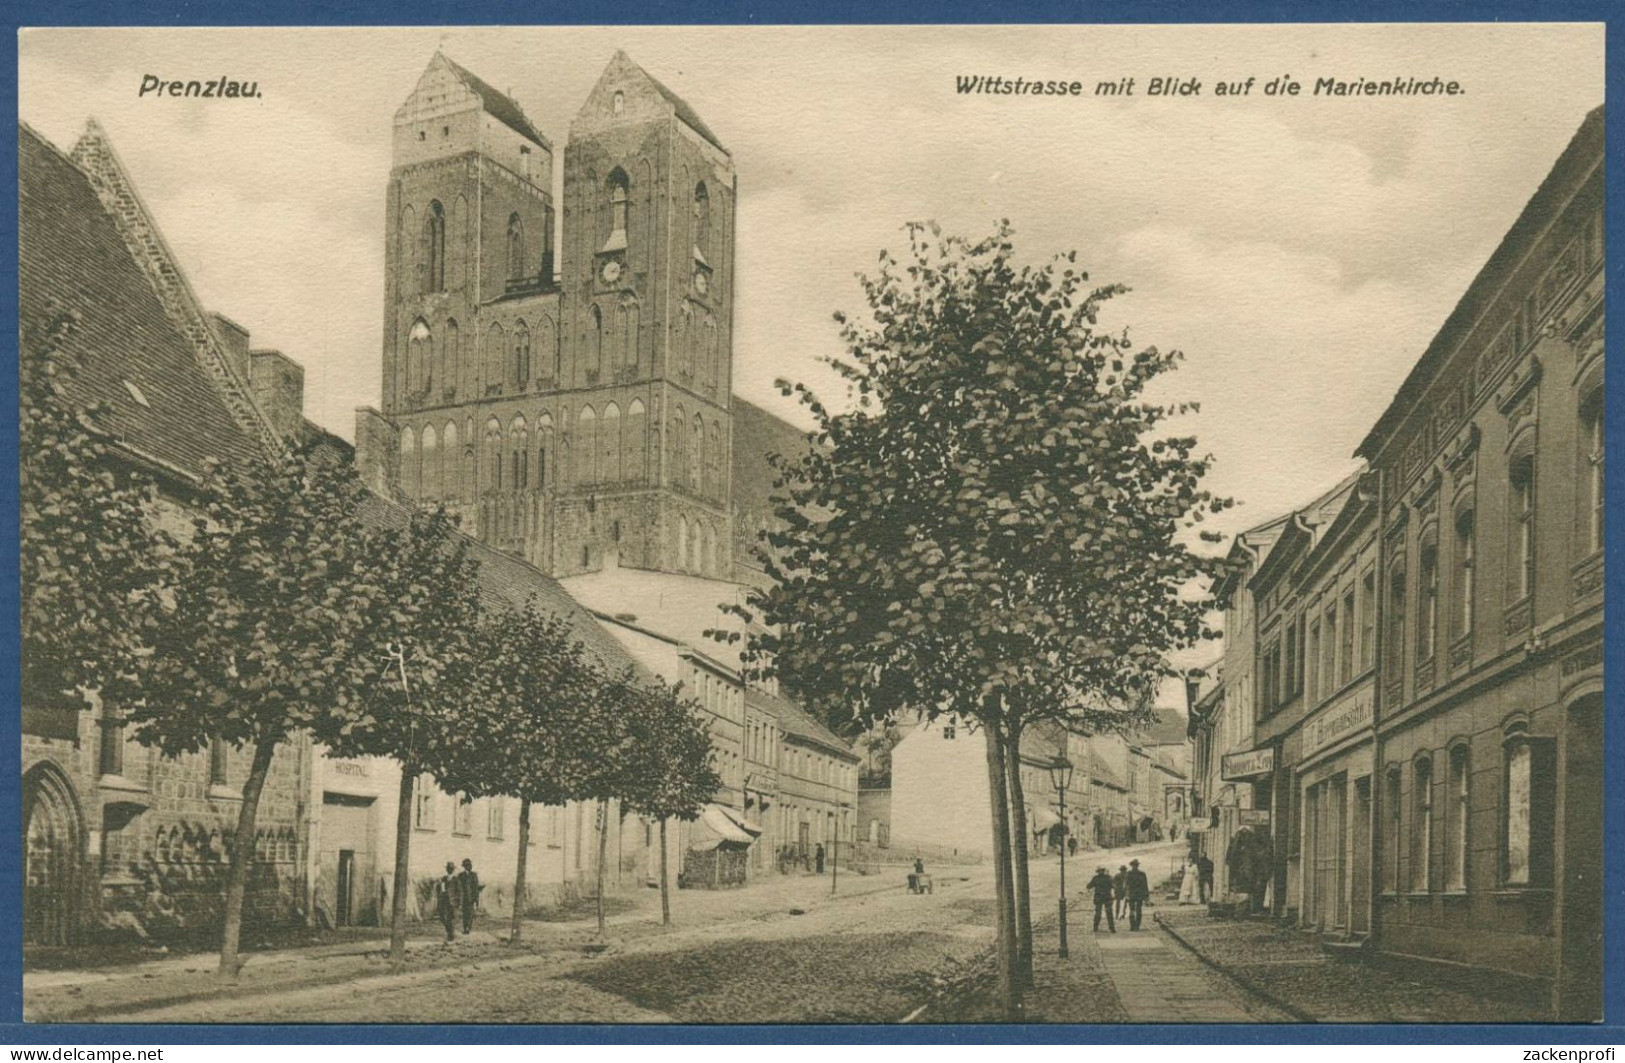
1529,789
1391,843
1422,824
1459,822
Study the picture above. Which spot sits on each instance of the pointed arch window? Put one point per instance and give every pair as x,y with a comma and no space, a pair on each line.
516,247
595,343
620,205
434,248
587,444
450,359
609,446
409,462
521,354
702,222
637,442
451,478
431,463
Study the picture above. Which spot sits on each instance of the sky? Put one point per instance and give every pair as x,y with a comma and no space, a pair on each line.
1301,251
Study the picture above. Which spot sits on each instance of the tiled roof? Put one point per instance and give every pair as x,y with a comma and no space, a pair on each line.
794,721
689,116
72,257
498,105
1101,772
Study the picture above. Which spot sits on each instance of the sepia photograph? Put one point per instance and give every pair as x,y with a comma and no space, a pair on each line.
1074,524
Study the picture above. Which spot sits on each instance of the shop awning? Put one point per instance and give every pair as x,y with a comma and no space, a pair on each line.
1044,819
724,826
740,820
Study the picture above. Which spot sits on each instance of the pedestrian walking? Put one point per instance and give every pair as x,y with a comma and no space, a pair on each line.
1103,889
1120,890
445,901
1204,877
468,893
1072,845
818,858
1139,891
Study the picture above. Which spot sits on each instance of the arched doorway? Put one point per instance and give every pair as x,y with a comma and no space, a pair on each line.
53,847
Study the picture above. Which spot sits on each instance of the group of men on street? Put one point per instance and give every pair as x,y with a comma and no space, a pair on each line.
457,891
1128,890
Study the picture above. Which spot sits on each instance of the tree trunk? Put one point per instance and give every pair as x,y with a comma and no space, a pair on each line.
603,853
665,879
403,853
1009,981
1018,835
519,873
242,857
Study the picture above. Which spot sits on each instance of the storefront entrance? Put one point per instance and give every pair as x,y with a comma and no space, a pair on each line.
1579,983
1360,884
1325,857
347,885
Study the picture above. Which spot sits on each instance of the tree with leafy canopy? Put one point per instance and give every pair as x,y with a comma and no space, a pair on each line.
92,558
669,758
994,530
410,666
534,727
252,642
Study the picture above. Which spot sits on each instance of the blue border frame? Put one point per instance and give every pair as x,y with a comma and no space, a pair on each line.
725,12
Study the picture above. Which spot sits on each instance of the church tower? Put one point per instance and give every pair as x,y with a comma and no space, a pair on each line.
646,274
470,307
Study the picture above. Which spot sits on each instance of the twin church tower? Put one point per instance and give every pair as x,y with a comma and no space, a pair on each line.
575,412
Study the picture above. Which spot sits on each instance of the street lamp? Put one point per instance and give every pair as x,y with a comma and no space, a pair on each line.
1060,773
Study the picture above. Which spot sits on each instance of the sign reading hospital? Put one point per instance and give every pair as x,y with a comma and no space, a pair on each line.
1239,767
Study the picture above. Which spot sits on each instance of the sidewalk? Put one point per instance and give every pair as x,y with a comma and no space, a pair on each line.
63,995
1293,972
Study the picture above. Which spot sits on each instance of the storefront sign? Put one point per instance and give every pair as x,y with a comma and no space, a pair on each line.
353,768
1253,817
1339,720
1198,826
1240,767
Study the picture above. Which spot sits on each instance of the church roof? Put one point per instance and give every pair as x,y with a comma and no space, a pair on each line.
71,257
498,105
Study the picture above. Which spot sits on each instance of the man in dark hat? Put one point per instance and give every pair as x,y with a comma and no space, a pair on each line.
1101,888
1139,891
1120,890
468,893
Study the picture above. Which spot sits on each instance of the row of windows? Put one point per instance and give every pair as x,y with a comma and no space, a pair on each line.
423,248
1436,852
622,234
1322,649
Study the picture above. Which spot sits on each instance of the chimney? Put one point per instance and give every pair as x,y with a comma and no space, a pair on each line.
377,451
233,341
278,383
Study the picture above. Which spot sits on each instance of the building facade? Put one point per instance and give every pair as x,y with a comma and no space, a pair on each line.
1488,813
117,838
1425,641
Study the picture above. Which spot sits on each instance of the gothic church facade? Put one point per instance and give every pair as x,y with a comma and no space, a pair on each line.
574,413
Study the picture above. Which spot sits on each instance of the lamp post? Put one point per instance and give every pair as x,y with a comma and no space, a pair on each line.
1060,773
